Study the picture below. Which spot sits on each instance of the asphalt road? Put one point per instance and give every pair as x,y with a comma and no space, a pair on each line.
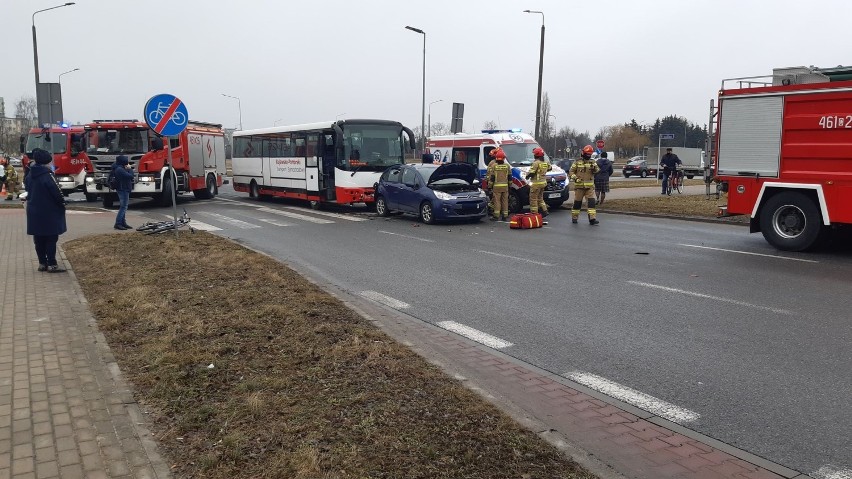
736,340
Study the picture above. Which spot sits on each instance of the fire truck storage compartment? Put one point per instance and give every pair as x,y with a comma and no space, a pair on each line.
205,151
750,136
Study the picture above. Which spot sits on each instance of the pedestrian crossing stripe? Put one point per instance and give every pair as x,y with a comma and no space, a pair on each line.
296,216
197,225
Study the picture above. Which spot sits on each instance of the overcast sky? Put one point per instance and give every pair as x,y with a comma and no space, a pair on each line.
605,61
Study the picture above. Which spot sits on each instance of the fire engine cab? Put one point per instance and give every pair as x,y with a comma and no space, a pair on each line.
475,148
783,152
69,159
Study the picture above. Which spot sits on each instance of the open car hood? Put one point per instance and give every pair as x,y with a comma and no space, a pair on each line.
460,171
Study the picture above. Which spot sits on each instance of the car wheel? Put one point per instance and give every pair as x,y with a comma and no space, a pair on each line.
91,197
382,206
644,174
427,215
689,177
790,221
626,175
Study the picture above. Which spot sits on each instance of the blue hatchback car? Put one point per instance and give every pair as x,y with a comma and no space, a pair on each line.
433,192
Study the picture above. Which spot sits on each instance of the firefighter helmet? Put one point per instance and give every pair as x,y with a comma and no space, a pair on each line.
499,154
538,152
588,150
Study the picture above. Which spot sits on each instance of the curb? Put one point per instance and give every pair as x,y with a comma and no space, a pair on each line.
698,219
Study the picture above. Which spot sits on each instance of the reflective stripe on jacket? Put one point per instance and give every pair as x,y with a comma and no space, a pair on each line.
501,174
538,172
583,173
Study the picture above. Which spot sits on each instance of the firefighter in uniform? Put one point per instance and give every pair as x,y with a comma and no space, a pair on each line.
11,180
538,174
582,174
499,174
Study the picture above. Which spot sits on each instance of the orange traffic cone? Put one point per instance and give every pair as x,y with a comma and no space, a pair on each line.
3,190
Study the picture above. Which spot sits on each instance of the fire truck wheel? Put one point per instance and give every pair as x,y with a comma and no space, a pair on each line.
91,197
165,198
108,199
382,206
209,191
790,221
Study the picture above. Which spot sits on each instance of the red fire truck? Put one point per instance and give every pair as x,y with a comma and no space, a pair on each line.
783,152
198,158
71,162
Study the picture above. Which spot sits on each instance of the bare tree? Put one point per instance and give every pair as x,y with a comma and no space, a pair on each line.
439,128
27,109
490,125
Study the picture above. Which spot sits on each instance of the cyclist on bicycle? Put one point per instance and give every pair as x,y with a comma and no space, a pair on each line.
669,163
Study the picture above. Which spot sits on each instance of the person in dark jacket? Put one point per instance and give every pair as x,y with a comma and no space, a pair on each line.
602,177
45,210
124,175
669,162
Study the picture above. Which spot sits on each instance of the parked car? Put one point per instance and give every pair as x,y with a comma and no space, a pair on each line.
432,192
15,162
565,163
638,166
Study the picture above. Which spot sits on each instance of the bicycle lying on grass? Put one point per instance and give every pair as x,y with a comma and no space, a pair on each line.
163,226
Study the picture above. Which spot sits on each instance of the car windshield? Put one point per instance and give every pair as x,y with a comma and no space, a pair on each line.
41,140
118,141
635,162
521,154
372,147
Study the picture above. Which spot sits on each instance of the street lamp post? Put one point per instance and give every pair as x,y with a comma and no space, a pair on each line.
239,105
35,47
430,115
423,106
540,71
65,73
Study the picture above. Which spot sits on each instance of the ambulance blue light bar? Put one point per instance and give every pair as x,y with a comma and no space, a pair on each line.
513,130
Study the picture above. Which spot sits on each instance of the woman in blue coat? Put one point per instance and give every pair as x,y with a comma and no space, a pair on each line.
45,211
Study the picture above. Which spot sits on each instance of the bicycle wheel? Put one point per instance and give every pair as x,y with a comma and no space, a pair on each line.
680,185
669,187
147,226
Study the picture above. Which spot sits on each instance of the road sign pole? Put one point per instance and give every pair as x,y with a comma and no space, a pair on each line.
173,179
659,146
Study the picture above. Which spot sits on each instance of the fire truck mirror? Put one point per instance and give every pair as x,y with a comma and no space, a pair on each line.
157,143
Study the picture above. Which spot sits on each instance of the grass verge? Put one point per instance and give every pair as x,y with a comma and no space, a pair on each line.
249,370
693,206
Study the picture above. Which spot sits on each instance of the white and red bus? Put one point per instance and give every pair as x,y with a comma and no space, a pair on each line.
329,162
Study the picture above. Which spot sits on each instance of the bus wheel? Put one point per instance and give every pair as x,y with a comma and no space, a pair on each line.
315,205
253,193
790,221
91,197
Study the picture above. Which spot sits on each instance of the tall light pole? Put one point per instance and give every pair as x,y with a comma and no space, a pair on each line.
35,47
423,107
239,105
540,70
430,114
65,73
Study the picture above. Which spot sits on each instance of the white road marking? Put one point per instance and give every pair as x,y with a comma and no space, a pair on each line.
716,298
406,236
327,213
475,334
386,300
237,202
296,216
197,225
631,396
750,253
78,212
830,471
231,221
273,222
515,258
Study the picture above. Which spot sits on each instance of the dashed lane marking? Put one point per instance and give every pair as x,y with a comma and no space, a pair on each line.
714,298
273,222
425,240
386,300
243,225
631,396
297,216
750,253
475,335
525,260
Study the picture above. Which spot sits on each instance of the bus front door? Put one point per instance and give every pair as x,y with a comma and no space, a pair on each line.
327,164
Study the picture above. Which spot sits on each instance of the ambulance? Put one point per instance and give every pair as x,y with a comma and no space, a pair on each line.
518,146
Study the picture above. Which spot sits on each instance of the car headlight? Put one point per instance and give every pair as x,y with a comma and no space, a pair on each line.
443,196
482,194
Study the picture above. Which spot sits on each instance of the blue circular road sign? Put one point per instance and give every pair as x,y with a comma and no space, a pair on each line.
166,114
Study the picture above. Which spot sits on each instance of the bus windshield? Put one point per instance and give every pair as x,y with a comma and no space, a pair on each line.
59,142
521,154
127,141
371,147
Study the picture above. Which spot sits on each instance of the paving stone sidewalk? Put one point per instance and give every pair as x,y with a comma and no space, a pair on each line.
65,411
